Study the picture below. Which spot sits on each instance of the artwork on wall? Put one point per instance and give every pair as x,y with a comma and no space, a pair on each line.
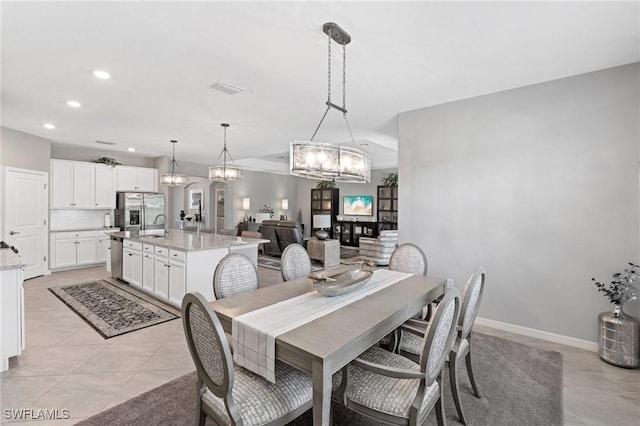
357,205
195,199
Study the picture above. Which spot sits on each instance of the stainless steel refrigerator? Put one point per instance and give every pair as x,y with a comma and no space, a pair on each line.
141,212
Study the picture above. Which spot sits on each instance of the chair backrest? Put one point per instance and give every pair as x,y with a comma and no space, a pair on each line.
208,345
234,274
471,297
408,258
295,262
440,335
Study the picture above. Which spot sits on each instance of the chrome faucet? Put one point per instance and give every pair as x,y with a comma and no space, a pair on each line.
155,221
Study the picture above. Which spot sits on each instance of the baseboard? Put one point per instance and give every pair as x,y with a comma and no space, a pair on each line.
539,334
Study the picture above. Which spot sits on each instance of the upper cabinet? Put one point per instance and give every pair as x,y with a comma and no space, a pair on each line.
82,185
72,185
105,187
136,179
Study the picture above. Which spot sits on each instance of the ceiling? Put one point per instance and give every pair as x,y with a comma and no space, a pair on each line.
162,56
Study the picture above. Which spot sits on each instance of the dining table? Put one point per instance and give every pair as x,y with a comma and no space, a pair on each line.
322,346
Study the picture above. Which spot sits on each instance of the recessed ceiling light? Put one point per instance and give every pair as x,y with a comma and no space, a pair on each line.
102,74
131,149
49,126
227,88
74,104
364,144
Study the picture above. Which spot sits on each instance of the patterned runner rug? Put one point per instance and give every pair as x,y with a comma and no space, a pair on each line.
110,310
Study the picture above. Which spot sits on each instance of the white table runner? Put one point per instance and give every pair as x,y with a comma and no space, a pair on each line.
254,333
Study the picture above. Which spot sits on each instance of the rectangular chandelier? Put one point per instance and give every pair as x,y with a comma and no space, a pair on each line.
329,162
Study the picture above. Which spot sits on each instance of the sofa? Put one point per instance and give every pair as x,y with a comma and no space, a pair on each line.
280,234
379,249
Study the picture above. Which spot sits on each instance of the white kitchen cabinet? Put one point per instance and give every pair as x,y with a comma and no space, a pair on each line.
136,179
70,249
132,266
12,325
161,277
177,278
105,191
72,185
104,249
148,265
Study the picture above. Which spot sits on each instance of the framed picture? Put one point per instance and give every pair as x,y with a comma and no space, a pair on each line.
195,199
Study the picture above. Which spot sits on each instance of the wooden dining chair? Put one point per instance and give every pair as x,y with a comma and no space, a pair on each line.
231,395
295,262
234,274
410,344
392,388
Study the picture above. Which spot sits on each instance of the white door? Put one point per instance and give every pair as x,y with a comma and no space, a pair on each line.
177,280
84,185
86,252
161,277
61,184
126,178
65,252
147,272
147,180
26,218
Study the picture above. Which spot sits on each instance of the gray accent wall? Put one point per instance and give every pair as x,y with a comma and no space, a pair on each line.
539,185
78,153
24,151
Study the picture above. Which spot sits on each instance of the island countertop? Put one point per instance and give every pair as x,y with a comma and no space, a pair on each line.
10,260
191,241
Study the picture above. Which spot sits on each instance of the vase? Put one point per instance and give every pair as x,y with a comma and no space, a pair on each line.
619,338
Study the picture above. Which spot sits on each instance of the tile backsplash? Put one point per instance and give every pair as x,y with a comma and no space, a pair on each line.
74,219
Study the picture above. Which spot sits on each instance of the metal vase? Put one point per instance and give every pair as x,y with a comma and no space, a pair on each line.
619,338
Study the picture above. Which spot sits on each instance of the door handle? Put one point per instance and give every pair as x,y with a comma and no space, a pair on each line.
13,233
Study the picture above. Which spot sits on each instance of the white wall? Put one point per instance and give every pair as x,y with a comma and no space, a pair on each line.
24,151
539,185
78,153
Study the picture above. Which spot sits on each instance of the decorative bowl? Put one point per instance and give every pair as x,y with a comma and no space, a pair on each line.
337,285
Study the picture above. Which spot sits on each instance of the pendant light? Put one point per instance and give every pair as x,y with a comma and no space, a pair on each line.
173,178
225,171
327,161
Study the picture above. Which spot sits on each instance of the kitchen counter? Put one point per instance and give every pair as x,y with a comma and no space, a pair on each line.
10,260
191,241
93,228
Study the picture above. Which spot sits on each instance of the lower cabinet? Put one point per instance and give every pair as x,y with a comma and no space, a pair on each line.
12,325
161,277
148,268
177,281
132,266
70,249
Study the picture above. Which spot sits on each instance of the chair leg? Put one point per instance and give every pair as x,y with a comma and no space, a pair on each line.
202,417
440,411
472,379
453,379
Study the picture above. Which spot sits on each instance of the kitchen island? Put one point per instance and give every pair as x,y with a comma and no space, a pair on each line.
168,266
12,341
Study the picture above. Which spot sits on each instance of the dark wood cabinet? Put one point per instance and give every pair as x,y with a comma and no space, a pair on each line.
325,201
349,232
387,207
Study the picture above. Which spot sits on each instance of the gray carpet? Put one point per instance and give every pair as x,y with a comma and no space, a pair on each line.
520,385
110,310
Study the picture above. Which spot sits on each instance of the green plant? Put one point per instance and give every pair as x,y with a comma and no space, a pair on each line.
108,161
391,180
325,184
620,290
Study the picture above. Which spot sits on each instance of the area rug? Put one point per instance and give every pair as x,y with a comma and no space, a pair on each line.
110,310
520,385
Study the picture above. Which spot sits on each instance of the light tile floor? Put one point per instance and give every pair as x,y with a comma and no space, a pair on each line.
67,365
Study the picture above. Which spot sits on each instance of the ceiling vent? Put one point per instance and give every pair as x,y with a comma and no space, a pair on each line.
105,143
227,88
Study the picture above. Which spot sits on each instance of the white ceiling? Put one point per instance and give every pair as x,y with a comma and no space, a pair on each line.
163,55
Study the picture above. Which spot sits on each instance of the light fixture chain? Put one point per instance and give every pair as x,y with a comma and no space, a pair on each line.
329,71
344,80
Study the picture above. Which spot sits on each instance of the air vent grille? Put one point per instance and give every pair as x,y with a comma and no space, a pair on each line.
105,143
227,88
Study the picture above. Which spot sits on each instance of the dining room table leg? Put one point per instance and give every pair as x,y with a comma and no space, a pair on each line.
321,376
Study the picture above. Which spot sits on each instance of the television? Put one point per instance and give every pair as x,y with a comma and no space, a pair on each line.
357,205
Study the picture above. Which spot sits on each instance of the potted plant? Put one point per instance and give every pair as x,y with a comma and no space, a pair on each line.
325,184
618,339
108,161
391,180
